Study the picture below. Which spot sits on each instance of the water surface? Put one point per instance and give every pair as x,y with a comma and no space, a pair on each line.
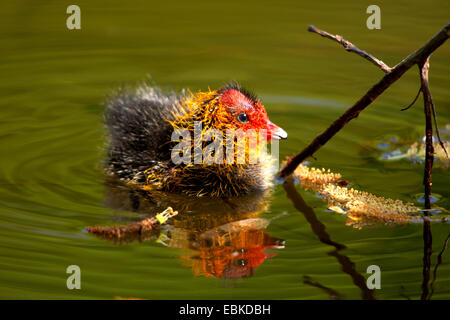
52,146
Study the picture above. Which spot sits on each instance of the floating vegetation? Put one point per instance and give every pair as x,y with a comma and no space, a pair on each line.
391,148
132,232
314,179
397,154
361,208
416,152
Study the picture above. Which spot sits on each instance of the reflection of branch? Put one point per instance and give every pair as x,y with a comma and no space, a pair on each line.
402,294
334,295
351,48
317,227
427,251
416,57
439,262
319,230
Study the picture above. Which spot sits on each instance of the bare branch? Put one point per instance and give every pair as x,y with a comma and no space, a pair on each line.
424,66
416,57
437,129
350,47
429,149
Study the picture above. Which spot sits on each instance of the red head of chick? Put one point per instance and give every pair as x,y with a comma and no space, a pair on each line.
141,126
246,112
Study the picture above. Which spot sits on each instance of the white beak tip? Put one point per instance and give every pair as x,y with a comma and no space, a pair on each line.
280,134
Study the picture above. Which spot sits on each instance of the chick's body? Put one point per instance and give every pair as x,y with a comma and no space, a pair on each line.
141,123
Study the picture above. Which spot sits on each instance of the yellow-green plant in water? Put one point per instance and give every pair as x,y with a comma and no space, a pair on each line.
362,208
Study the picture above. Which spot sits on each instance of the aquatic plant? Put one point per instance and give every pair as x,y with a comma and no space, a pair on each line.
362,208
417,150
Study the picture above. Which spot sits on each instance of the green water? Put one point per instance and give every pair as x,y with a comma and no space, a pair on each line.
54,82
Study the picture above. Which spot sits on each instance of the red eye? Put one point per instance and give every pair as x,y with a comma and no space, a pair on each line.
243,117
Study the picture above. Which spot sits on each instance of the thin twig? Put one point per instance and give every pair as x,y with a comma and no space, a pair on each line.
414,101
415,58
350,47
433,109
436,128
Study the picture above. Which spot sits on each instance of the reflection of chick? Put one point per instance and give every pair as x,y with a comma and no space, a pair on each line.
233,250
225,235
141,124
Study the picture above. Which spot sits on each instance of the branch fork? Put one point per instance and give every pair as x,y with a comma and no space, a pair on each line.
350,47
421,58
